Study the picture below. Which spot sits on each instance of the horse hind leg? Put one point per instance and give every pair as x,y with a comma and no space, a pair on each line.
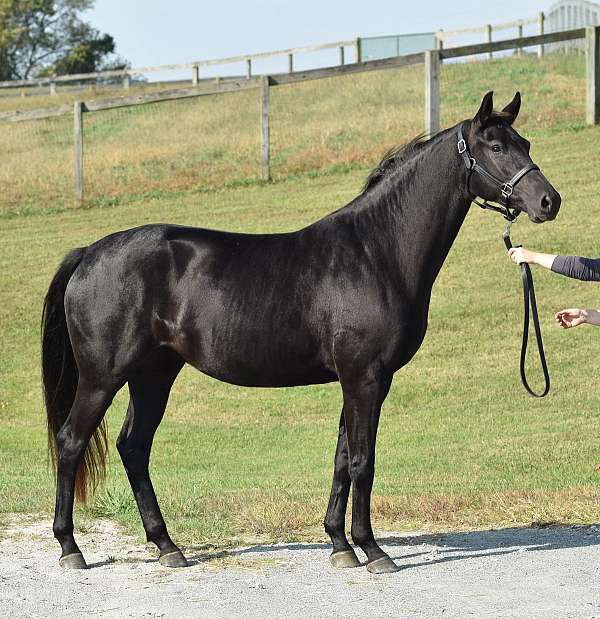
149,389
86,414
342,556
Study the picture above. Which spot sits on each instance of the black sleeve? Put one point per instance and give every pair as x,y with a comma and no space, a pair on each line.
585,269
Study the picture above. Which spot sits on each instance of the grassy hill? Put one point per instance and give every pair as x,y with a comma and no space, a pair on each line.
317,127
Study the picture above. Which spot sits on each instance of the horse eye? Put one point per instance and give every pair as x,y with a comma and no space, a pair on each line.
497,148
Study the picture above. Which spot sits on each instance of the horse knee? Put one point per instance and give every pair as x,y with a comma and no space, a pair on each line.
362,470
134,455
68,450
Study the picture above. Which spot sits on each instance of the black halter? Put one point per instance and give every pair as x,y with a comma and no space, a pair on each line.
506,188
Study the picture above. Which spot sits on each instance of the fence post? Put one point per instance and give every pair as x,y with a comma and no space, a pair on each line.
432,91
265,146
520,31
53,89
78,149
342,59
290,63
592,77
541,20
195,74
358,49
488,38
439,42
248,68
126,82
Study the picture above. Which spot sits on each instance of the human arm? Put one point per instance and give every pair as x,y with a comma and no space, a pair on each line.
574,317
522,254
576,267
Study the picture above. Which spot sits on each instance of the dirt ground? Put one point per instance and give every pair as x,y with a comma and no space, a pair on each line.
519,572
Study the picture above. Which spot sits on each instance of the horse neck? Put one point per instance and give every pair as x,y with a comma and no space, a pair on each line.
415,215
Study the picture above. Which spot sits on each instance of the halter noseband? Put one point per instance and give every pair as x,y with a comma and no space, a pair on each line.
506,188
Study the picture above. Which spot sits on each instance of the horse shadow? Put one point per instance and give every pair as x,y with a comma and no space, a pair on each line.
441,547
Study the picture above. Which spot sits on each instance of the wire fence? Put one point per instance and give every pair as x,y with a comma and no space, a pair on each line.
36,166
33,97
171,145
203,142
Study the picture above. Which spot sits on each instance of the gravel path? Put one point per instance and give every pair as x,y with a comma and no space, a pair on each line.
529,572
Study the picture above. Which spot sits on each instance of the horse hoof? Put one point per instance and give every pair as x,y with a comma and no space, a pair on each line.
383,565
173,559
74,561
344,559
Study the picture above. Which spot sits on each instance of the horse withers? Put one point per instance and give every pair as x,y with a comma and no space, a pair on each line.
345,299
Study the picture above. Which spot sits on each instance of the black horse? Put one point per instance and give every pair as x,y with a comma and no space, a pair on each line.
345,299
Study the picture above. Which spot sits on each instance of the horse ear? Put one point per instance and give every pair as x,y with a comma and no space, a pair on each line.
485,110
513,107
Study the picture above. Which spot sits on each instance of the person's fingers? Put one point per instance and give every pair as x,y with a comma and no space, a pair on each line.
563,318
569,318
572,311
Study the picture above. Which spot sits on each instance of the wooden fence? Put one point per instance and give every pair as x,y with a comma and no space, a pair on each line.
444,36
194,68
431,59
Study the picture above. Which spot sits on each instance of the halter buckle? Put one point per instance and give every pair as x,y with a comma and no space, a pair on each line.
462,146
507,190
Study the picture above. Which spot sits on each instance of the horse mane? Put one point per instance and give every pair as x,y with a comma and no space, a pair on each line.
399,155
395,157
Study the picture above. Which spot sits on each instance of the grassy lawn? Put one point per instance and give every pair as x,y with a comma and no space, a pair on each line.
461,444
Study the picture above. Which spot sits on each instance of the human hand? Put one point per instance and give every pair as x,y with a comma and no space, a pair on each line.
520,255
569,318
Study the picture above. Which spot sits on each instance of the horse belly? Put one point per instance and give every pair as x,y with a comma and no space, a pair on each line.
255,351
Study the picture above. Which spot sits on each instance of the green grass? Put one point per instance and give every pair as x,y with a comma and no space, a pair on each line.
319,125
460,444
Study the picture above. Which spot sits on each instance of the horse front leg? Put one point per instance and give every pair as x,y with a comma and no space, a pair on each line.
363,397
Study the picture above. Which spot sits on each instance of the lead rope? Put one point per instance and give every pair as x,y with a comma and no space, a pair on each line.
529,301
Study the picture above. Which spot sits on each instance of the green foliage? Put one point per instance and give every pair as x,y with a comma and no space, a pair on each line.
48,37
87,56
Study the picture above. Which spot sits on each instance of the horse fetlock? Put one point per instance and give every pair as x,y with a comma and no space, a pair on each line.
63,532
333,528
364,538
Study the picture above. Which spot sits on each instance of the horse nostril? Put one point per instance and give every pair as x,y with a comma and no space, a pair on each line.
546,202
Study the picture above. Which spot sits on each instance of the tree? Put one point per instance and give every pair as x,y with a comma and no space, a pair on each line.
48,37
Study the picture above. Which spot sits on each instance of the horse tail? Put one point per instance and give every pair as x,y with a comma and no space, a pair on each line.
60,377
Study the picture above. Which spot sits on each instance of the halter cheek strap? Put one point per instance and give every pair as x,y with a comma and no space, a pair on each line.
506,188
